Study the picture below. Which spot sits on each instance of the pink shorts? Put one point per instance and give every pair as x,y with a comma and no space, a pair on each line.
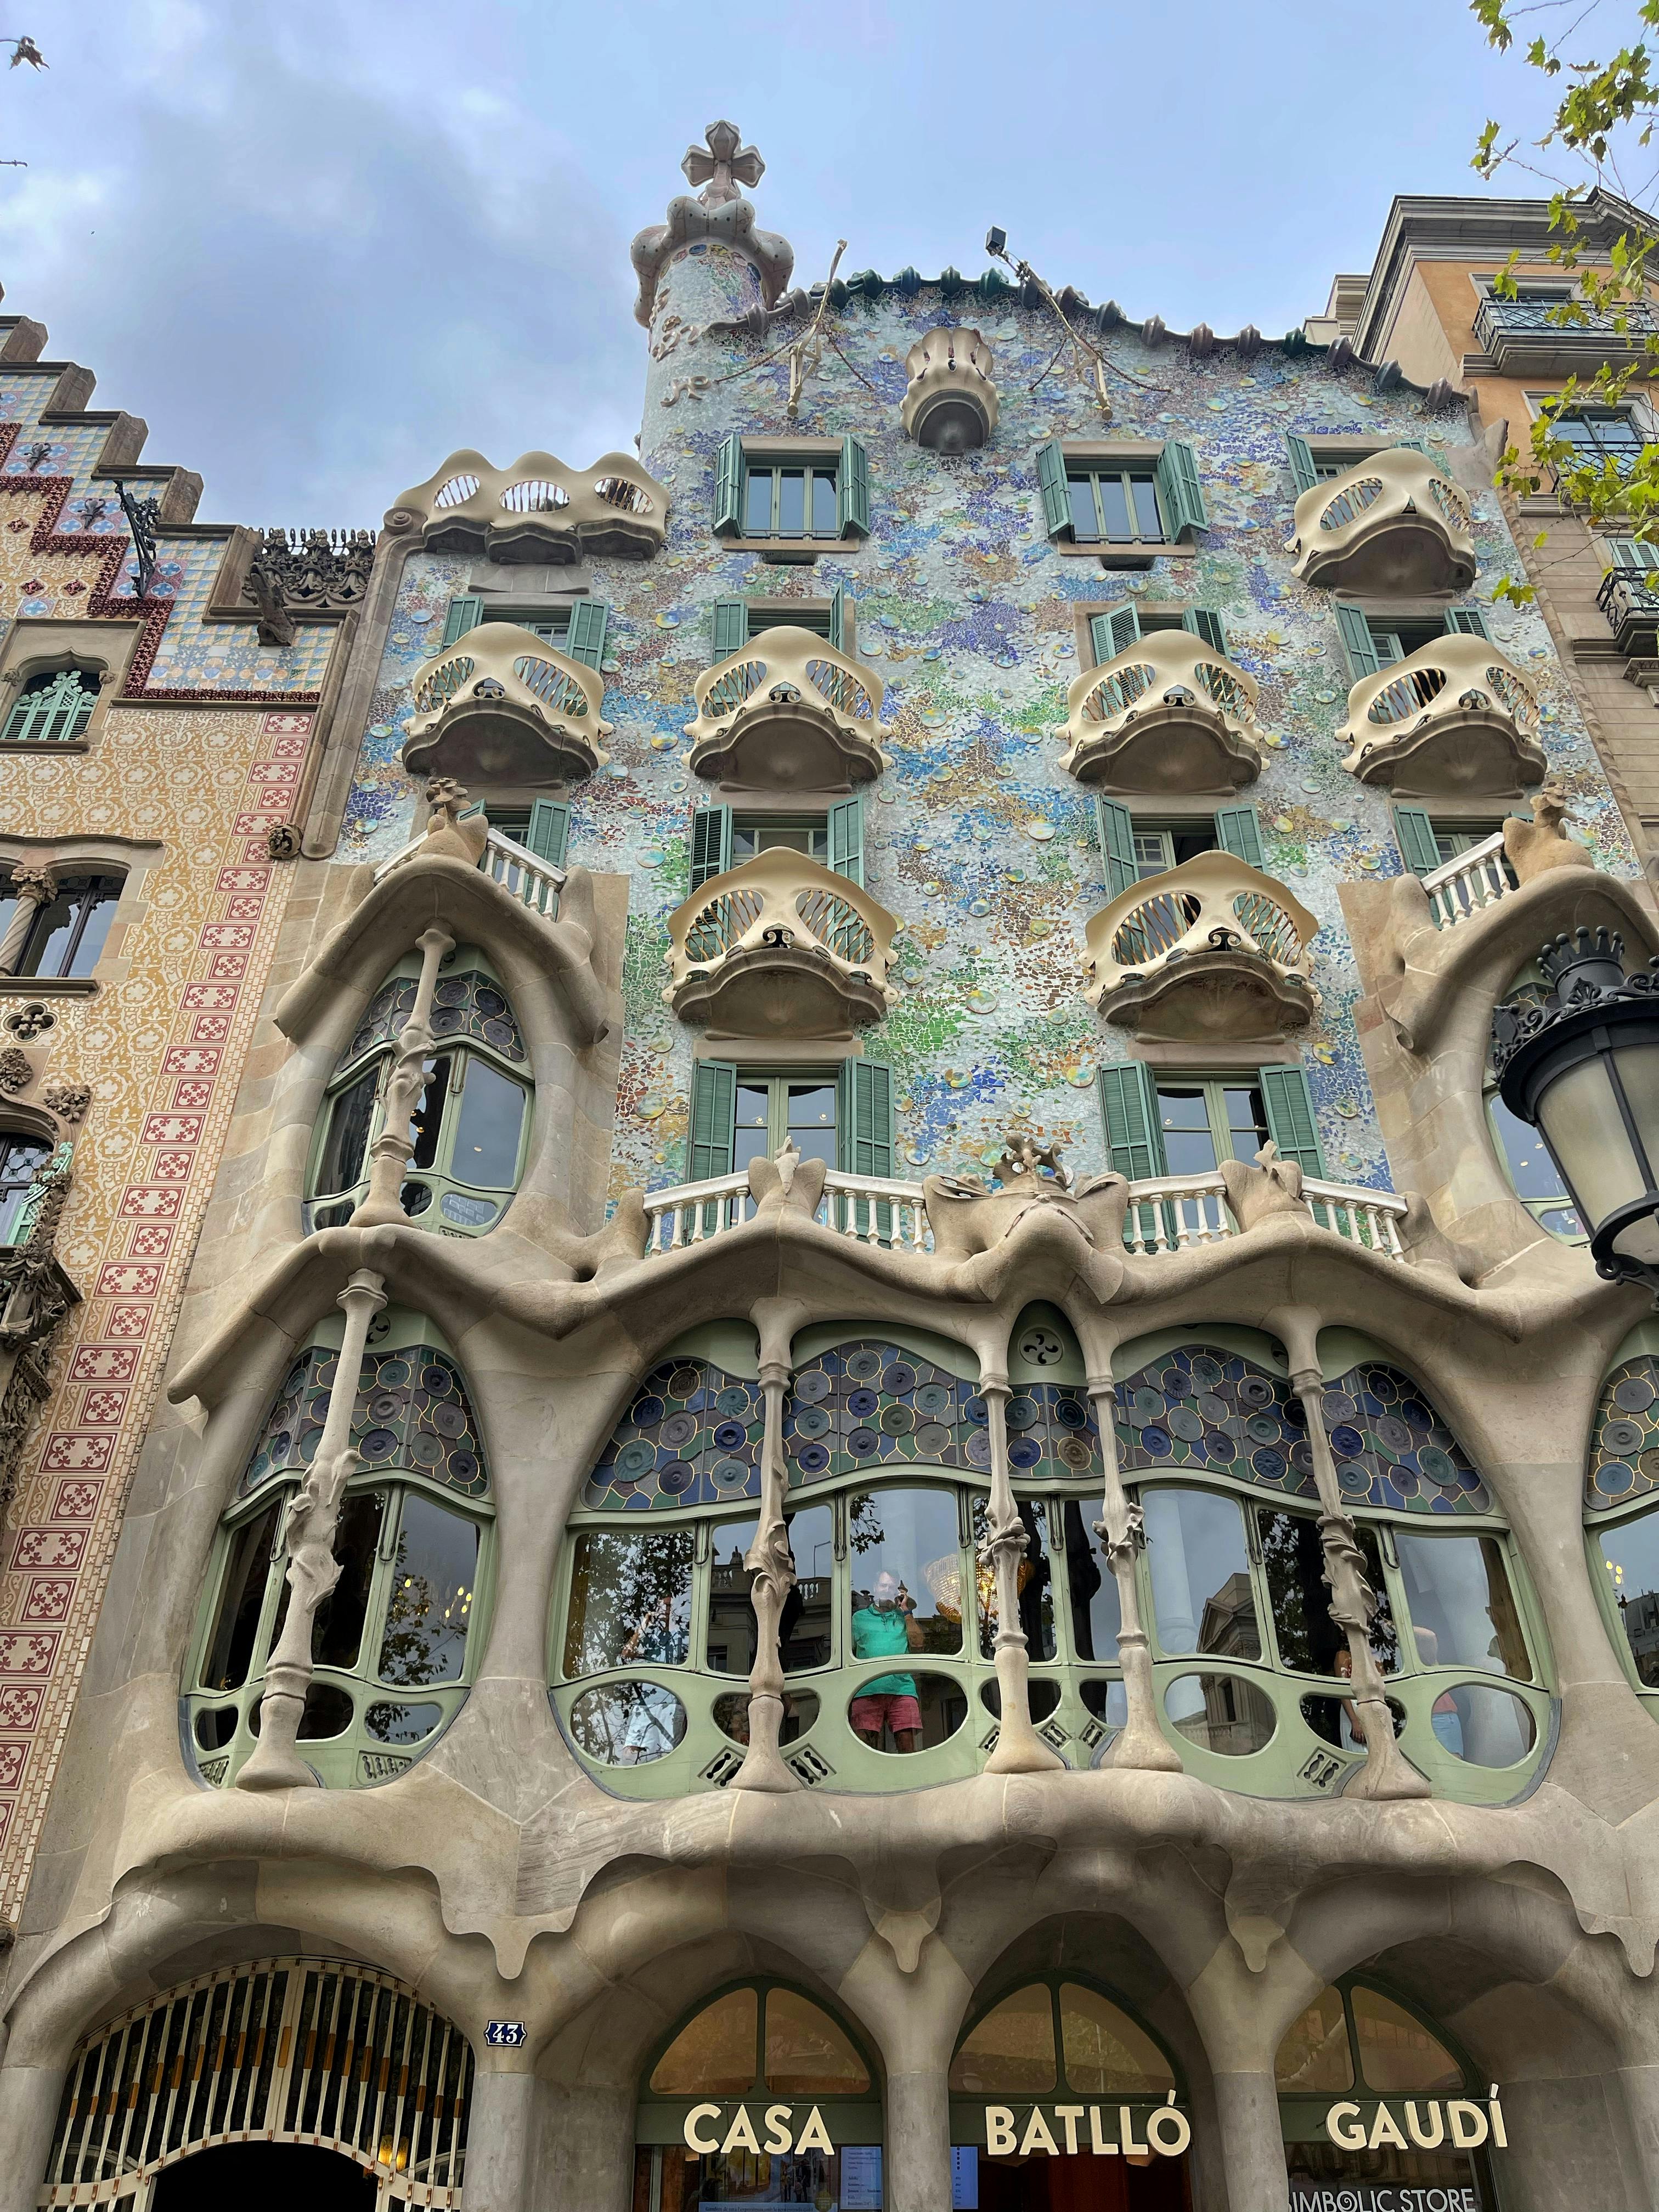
867,1714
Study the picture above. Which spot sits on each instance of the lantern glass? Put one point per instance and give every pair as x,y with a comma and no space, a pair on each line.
1585,1128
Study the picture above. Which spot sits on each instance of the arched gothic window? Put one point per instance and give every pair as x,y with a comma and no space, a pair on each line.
471,1126
52,709
396,1641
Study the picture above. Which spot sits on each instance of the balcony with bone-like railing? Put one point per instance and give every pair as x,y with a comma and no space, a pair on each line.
1168,714
503,705
781,947
1454,720
531,882
1209,950
788,712
538,510
1394,522
1172,1214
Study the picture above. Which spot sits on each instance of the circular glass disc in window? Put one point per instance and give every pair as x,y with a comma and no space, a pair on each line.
1185,1423
1634,1395
678,1430
1621,1437
626,1723
812,1421
729,1476
932,1399
897,1421
685,1382
812,1386
864,1366
1074,1453
1206,1372
733,1402
899,1380
933,1439
636,1458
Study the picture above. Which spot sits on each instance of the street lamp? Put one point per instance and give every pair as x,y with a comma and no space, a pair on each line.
1583,1066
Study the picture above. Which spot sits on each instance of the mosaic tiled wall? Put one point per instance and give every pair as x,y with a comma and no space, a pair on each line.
160,1043
976,838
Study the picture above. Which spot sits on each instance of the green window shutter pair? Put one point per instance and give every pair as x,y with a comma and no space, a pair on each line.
1289,1105
1117,845
1205,623
1357,642
1128,1101
585,639
853,489
846,825
728,486
731,627
1414,833
1180,493
711,844
864,1118
549,833
1305,472
1466,622
1238,831
1115,631
1051,483
464,614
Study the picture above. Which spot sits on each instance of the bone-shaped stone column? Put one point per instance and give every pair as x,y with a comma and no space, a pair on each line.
1019,1749
390,1152
309,1530
1139,1742
769,1562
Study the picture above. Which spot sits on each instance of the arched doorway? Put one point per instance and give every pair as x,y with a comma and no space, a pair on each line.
1062,2101
265,2177
1371,2097
275,2054
762,2098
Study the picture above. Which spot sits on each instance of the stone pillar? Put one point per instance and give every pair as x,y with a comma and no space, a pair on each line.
389,1152
586,2153
1252,2145
33,888
29,2097
313,1517
1640,2083
500,2143
916,2159
1019,1749
772,1571
1139,1742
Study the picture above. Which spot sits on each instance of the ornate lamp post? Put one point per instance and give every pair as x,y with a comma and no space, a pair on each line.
1583,1066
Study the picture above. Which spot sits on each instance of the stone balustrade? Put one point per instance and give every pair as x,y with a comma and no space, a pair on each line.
788,712
503,705
1168,714
538,510
1394,522
1454,719
1211,951
781,947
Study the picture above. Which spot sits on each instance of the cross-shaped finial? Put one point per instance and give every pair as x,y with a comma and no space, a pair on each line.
722,165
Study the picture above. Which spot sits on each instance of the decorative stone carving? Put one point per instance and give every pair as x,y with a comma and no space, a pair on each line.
282,841
1535,847
540,510
1168,713
502,704
719,214
787,1183
1454,718
1211,949
35,1295
325,571
788,712
1271,1185
1394,522
781,947
968,1218
17,1070
68,1100
447,832
951,403
31,1022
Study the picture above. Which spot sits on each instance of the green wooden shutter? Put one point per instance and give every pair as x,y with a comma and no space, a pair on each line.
713,1120
1180,493
1117,845
864,1118
1357,642
729,486
846,838
1304,471
731,627
1051,483
1291,1122
585,639
1238,831
549,833
1115,631
1415,834
711,844
464,614
1412,445
838,619
853,489
1467,621
1206,622
1128,1105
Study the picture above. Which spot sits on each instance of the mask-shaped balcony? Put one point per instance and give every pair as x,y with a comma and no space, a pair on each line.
1170,714
1392,523
951,404
1454,719
780,947
1209,950
788,712
538,510
503,705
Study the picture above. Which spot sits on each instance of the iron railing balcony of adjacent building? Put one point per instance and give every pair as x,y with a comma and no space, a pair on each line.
1394,522
1453,719
1170,714
503,705
788,712
781,947
1527,337
1629,597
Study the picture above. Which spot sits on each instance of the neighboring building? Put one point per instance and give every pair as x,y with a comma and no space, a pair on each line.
874,1487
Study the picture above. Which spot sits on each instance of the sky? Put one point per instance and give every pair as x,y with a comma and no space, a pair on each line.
318,245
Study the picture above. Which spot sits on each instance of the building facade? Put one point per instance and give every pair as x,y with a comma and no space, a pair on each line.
884,1481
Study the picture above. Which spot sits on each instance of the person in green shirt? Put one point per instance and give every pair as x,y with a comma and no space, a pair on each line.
881,1629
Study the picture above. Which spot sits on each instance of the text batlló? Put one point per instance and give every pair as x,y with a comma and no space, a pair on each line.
1096,2131
1459,2124
777,2130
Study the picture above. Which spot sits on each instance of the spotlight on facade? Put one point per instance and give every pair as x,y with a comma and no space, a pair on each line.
996,243
1582,1065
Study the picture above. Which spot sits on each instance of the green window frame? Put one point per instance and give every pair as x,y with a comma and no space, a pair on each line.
1118,628
737,623
1101,500
53,708
1635,555
577,630
740,1112
777,496
717,835
1372,642
401,1683
478,1060
1133,846
1230,1109
1322,2054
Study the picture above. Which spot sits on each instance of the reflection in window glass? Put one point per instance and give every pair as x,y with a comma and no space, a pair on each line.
628,1724
1299,1599
1222,1713
486,1149
713,2055
1630,1553
21,1161
1105,2054
69,931
1482,1726
1200,1573
806,2054
1463,1609
1397,2054
349,1120
907,1590
1035,1581
230,1647
1011,2051
338,1628
1315,2057
805,1630
631,1600
1534,1174
1091,1584
429,1606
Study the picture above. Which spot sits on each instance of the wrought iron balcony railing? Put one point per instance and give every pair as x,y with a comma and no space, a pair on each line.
1629,597
1528,337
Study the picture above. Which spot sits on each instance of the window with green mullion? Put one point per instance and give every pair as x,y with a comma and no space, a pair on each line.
1210,1120
784,500
773,1111
1118,505
1166,847
773,833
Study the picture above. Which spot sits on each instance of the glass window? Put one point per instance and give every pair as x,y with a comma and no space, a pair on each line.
1035,1579
1010,2053
1223,1713
1205,1122
433,1575
804,1626
1200,1573
487,1135
760,834
1117,504
905,1591
21,1160
1462,1608
351,1116
714,2054
806,2054
1314,2058
1167,846
628,1724
772,1109
242,1599
1599,434
1630,1553
1299,1599
52,709
337,1632
792,501
1105,2053
1533,1174
631,1600
1397,2057
1096,1618
69,931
